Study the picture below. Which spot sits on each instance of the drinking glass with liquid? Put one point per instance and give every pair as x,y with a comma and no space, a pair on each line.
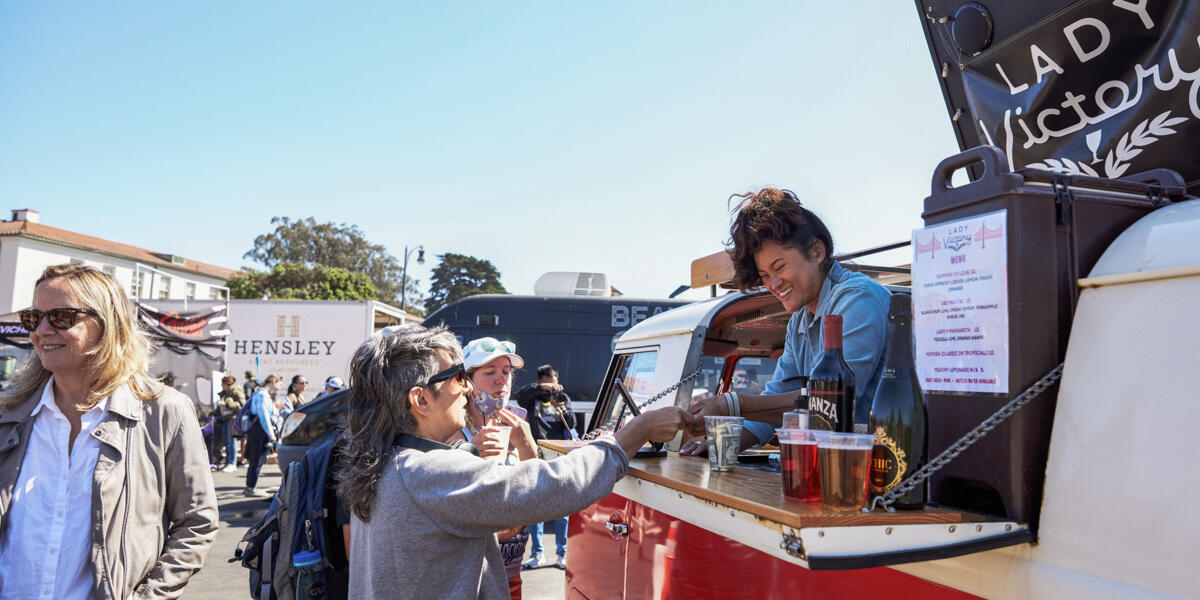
845,460
801,474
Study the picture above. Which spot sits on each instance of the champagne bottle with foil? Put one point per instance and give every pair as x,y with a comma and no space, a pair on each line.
831,383
898,417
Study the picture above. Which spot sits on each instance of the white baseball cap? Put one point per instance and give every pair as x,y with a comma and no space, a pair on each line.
335,382
484,350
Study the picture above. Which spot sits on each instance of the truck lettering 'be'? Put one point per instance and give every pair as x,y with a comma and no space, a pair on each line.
626,316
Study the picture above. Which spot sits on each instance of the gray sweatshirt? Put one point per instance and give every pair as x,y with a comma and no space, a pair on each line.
432,532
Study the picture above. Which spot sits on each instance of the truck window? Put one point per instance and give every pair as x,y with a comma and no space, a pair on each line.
709,378
751,374
636,372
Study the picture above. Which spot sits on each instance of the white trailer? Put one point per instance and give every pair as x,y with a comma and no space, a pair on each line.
313,338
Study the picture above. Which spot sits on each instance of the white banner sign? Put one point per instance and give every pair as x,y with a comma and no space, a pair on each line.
960,305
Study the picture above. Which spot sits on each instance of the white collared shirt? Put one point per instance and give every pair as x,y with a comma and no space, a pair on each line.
46,550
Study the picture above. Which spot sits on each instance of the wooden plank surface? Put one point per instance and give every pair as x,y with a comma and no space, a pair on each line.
759,493
714,269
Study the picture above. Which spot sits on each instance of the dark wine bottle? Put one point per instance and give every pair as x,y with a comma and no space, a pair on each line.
831,383
898,417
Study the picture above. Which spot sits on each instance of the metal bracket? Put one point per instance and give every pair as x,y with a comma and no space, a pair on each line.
1062,199
793,546
1154,193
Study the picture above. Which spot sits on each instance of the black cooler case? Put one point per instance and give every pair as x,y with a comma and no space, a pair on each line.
1058,226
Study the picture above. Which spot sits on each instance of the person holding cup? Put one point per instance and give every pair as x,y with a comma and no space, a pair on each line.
489,365
424,516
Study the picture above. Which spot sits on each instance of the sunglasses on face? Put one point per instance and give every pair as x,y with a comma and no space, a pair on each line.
455,371
59,318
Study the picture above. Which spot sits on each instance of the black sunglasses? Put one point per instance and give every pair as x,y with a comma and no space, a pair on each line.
455,370
59,318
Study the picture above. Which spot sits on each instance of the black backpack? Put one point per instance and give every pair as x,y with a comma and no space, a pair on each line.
296,550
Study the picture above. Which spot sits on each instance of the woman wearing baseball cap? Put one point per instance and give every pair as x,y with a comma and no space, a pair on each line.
489,364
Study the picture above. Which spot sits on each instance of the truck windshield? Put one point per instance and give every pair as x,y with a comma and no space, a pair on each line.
636,372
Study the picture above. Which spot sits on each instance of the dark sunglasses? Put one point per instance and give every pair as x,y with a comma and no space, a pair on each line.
455,370
59,318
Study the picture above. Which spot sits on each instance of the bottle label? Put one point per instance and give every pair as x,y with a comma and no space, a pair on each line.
822,411
888,463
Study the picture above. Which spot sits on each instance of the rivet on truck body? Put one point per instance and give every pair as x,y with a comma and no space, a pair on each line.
887,531
953,529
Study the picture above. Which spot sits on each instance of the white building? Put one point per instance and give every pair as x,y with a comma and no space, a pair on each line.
27,247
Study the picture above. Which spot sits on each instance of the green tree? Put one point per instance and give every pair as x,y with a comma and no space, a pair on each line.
294,281
458,276
309,243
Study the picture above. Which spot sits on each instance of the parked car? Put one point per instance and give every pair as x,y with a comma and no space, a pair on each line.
310,425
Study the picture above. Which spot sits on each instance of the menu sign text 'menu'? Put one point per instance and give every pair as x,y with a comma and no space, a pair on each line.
960,304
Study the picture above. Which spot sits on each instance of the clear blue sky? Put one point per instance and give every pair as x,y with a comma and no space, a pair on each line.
541,136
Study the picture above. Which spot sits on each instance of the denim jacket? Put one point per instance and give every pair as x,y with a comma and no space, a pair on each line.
863,305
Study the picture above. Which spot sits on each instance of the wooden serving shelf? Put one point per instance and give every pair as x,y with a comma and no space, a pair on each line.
759,493
746,505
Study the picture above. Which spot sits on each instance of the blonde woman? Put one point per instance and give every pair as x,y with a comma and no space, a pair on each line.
105,490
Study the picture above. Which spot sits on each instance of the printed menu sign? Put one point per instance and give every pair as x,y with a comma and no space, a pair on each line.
960,305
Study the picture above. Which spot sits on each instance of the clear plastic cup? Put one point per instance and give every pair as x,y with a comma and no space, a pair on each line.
503,433
724,442
798,464
845,460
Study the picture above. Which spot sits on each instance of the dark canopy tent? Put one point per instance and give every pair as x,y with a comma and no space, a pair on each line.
189,342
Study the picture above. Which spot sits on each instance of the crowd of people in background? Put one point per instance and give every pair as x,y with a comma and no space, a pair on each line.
254,445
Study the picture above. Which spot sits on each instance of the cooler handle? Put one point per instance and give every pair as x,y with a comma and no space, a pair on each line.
993,160
1170,181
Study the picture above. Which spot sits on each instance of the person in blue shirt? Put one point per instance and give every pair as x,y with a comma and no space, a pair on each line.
262,433
786,248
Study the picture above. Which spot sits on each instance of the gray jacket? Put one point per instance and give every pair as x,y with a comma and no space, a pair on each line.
153,503
435,516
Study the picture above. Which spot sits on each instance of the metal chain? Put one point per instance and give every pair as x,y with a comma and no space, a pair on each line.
591,435
965,441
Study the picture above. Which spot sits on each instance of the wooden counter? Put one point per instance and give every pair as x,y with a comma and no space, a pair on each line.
758,492
747,505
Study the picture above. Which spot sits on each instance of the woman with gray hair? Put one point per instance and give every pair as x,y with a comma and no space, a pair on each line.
425,516
105,490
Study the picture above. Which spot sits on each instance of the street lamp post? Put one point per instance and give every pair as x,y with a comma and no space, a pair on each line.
404,276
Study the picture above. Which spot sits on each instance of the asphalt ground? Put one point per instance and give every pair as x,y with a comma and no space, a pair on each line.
222,580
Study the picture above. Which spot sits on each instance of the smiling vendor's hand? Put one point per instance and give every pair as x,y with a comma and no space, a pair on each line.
694,448
708,405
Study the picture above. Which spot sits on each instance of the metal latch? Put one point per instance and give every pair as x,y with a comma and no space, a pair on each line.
1154,193
617,529
793,545
1062,199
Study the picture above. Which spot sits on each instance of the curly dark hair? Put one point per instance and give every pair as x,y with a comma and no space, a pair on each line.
772,215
